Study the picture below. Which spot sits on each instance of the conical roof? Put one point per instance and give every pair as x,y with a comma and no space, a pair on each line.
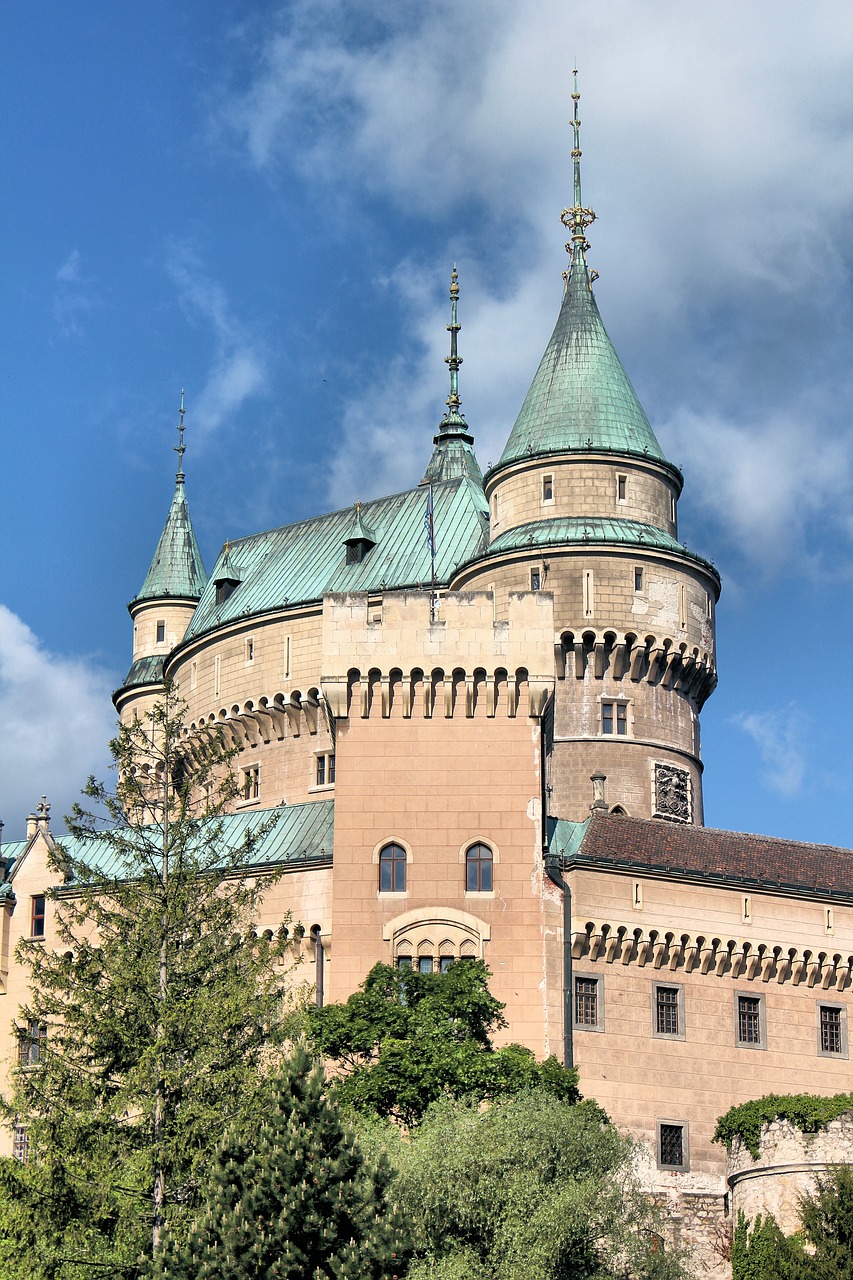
581,398
177,570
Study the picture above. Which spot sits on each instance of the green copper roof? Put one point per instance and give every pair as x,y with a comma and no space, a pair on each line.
143,671
177,570
581,397
305,561
576,531
451,458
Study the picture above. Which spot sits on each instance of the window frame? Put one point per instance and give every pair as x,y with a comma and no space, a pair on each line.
38,917
250,784
639,579
325,765
761,1043
160,632
536,579
30,1044
547,489
395,863
619,709
621,487
683,1125
480,863
837,1007
598,1025
678,988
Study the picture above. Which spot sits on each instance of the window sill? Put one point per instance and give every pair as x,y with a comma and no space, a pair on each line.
392,893
324,786
479,893
249,804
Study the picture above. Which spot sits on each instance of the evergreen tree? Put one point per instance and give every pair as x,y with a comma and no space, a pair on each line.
156,1016
293,1199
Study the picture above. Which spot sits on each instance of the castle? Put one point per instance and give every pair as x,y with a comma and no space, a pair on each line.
475,705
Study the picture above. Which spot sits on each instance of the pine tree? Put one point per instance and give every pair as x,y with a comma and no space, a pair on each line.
294,1199
161,1008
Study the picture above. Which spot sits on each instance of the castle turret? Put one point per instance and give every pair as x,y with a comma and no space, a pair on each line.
164,605
583,503
453,454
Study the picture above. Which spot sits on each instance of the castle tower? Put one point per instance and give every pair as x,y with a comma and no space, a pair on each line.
583,504
164,606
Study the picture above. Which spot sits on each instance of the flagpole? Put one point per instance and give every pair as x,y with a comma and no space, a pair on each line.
431,557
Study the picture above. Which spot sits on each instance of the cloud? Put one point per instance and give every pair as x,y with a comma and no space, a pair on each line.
57,719
780,736
238,369
76,295
722,171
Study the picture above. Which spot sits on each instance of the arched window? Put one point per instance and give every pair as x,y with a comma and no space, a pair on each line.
478,869
392,869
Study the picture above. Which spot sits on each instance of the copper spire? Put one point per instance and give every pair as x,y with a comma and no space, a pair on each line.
577,218
180,448
454,417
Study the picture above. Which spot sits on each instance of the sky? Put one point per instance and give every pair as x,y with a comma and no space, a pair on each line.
262,202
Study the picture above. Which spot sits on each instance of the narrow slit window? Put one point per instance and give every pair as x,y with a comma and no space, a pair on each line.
250,650
638,579
535,579
547,488
621,488
588,594
161,632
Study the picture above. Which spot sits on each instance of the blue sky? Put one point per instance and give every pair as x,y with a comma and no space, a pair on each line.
262,202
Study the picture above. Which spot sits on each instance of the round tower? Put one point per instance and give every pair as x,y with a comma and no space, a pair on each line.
583,504
164,605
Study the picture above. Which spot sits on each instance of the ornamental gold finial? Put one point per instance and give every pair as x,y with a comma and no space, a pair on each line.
576,218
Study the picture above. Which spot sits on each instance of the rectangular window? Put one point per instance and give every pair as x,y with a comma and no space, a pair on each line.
161,632
587,1003
614,718
251,788
621,488
669,1011
424,964
31,1044
832,1030
589,593
21,1143
445,963
750,1019
37,916
250,650
325,769
638,579
547,488
672,1145
404,962
535,579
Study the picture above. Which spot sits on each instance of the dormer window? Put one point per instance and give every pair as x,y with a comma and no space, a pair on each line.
225,587
357,549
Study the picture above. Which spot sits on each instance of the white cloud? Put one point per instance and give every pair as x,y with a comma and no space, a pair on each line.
717,152
75,296
69,272
57,719
780,736
238,370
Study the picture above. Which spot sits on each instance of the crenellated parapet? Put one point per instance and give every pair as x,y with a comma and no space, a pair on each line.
258,721
654,659
745,959
457,660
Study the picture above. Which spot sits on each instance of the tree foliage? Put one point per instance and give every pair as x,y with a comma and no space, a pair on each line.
293,1198
822,1250
806,1111
406,1039
525,1188
161,1008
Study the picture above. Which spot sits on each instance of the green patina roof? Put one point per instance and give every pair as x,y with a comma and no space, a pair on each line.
581,397
565,837
302,834
305,561
451,458
177,570
143,671
574,530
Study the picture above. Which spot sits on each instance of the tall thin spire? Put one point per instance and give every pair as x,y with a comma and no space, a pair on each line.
454,417
577,218
180,447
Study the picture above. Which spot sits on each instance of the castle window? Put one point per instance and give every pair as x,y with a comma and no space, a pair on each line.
251,784
535,579
31,1044
404,962
325,769
392,869
669,1011
478,869
193,674
445,963
588,1009
424,964
588,594
161,632
672,1145
21,1143
750,1022
37,916
614,718
621,488
250,650
638,579
547,488
832,1030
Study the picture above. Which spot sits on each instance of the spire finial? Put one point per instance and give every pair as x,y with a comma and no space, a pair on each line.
180,447
454,417
577,218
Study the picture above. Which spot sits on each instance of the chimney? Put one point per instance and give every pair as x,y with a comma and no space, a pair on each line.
598,802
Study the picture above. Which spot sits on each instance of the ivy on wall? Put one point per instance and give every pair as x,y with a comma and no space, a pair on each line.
804,1110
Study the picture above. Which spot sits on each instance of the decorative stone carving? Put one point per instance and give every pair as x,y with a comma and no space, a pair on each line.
672,793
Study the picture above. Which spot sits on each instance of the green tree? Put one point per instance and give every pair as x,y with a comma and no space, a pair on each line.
153,1023
764,1253
406,1039
524,1188
293,1198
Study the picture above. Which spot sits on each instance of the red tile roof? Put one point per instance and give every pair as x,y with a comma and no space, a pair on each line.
707,854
